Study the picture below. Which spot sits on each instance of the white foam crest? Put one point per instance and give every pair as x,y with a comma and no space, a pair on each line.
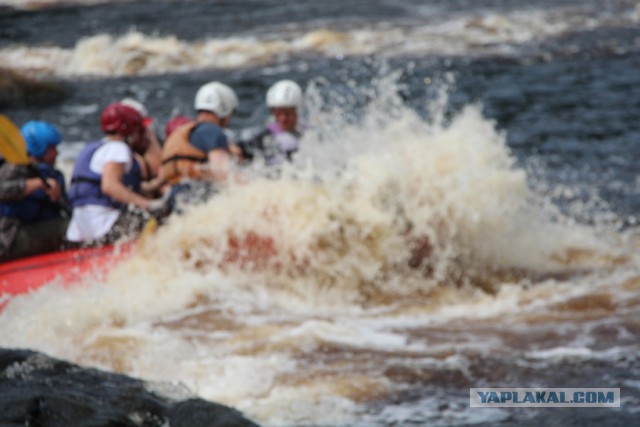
49,60
472,34
238,378
303,405
311,332
560,354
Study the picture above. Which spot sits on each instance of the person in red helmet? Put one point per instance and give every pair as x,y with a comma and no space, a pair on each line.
174,123
105,189
148,155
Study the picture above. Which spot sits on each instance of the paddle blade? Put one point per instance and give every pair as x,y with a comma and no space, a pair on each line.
149,228
12,145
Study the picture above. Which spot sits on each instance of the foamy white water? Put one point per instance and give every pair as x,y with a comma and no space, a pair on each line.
490,33
335,311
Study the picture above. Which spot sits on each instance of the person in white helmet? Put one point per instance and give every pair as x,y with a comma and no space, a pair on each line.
198,151
280,139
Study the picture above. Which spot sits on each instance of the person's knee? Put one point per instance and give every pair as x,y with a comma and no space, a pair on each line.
37,238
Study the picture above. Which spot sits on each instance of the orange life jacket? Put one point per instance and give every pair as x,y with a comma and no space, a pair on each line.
180,159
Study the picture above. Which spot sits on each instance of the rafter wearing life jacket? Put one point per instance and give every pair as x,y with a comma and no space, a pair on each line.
37,206
85,186
180,159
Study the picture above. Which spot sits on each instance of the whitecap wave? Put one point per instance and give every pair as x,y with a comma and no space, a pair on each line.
507,34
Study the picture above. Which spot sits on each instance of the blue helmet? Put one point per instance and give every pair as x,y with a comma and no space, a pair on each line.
39,136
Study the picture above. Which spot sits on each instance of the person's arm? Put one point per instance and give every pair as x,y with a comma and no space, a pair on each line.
12,182
236,151
220,164
111,185
145,168
53,189
16,189
153,154
155,185
31,185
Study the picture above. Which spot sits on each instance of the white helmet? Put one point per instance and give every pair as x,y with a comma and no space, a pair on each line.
136,105
218,98
285,93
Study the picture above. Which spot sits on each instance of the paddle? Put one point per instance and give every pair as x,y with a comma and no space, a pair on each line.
149,228
14,150
12,145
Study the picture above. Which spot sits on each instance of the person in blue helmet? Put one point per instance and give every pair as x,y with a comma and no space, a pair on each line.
33,214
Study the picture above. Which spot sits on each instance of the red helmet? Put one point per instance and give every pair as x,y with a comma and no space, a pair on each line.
174,124
121,119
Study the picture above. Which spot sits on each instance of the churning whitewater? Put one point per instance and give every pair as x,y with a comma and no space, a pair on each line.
411,246
432,32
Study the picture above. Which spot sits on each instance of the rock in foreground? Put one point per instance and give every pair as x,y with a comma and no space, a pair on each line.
37,390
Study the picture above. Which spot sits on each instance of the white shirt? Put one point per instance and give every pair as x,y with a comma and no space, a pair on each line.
91,222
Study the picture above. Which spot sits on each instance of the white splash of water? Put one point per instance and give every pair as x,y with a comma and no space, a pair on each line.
263,297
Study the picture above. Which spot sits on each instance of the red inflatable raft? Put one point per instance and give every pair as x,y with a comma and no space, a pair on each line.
65,267
249,251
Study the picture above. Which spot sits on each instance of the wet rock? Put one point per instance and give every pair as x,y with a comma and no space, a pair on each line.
37,390
20,90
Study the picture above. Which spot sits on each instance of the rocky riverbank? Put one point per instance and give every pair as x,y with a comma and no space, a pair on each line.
37,390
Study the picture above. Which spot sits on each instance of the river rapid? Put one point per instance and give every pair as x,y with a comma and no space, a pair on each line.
463,212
